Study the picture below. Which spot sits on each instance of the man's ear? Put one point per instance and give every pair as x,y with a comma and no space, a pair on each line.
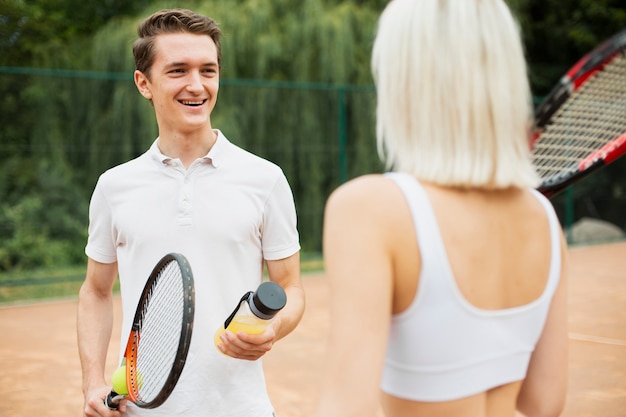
142,83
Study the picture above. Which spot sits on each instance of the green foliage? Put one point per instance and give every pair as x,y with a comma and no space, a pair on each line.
42,217
312,113
42,212
559,32
93,124
296,41
34,27
30,243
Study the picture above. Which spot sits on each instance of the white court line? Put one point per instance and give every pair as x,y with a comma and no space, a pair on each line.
596,339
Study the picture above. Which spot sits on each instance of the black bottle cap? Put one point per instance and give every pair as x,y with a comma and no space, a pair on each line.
268,300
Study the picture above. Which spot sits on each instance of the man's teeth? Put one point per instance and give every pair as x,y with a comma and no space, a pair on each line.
192,103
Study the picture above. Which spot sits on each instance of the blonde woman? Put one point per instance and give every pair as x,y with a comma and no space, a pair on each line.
448,273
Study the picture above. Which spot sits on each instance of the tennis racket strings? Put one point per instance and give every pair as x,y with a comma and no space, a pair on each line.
161,324
593,116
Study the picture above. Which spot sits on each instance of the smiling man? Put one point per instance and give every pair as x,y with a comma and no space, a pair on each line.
193,192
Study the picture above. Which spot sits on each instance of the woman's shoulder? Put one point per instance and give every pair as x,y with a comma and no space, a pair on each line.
366,192
362,187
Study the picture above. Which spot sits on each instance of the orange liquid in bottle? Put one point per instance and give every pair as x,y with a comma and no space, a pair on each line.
246,324
255,311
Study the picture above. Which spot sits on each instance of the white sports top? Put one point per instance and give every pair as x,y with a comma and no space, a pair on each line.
443,348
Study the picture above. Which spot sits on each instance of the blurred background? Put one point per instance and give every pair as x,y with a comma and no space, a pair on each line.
296,88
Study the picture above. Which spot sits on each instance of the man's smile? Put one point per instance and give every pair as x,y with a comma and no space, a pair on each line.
192,102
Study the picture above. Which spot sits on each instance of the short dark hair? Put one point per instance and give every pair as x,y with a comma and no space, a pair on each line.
171,21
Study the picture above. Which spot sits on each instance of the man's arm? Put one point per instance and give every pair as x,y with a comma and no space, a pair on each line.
94,327
286,273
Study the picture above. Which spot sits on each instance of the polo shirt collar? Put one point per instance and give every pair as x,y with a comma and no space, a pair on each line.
215,156
217,152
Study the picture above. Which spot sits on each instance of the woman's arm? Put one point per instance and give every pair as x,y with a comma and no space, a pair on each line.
359,268
544,390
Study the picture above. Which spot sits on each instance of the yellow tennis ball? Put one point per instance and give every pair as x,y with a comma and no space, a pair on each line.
118,380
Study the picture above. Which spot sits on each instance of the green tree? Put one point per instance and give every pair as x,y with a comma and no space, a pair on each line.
559,32
82,123
42,211
93,124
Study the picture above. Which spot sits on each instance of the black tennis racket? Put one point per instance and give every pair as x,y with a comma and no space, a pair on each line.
581,125
160,336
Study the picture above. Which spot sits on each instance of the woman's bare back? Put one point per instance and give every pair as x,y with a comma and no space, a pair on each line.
498,246
497,402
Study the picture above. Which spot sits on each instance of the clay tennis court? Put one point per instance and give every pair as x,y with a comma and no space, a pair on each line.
41,373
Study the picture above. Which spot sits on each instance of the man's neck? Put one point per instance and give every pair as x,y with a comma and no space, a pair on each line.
187,147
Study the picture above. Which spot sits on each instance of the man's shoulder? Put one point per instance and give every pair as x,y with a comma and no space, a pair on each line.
126,170
245,157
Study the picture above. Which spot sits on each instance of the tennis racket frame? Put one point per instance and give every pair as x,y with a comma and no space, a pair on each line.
133,379
578,75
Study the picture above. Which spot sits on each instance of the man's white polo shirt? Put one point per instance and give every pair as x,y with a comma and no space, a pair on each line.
226,213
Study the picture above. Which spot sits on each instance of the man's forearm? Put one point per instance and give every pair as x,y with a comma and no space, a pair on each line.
291,315
94,328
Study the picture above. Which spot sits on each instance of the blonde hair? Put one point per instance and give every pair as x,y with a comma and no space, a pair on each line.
453,100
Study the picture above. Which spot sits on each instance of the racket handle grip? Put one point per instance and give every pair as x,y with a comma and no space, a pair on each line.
112,400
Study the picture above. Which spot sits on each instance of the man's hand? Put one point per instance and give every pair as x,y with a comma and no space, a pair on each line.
94,403
249,346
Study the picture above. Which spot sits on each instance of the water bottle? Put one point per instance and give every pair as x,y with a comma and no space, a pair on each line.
255,310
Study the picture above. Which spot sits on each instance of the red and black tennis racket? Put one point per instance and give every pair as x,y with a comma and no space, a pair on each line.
581,125
160,336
